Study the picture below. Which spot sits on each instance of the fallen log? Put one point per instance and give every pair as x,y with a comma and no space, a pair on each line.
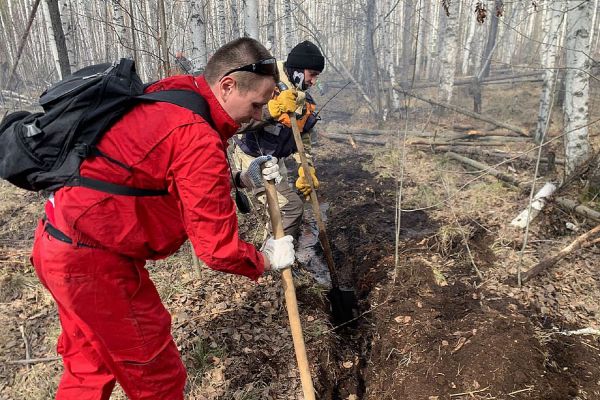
467,80
496,153
463,111
389,140
578,208
356,138
564,202
488,169
456,143
581,242
539,201
346,130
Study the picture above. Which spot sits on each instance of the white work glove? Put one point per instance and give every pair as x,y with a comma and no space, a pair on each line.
280,252
253,177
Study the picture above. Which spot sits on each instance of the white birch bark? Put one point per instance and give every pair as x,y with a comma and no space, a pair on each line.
433,39
198,55
234,20
594,18
448,56
553,15
69,32
388,62
221,25
423,7
250,18
289,38
538,203
51,39
509,36
270,42
472,21
577,146
125,46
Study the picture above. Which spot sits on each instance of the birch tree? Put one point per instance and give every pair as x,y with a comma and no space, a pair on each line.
553,14
492,36
68,31
472,21
164,42
124,49
407,54
57,37
270,42
289,39
221,22
577,146
448,56
198,26
250,18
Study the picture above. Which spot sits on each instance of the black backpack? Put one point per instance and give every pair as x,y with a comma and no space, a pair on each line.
43,151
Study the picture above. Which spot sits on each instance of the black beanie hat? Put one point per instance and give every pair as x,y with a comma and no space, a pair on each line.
306,56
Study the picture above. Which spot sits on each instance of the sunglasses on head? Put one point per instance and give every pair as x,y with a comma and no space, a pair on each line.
268,66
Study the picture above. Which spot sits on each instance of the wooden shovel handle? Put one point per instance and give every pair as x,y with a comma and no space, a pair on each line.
290,297
323,238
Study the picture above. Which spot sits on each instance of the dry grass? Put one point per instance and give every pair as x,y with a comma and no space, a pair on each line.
36,382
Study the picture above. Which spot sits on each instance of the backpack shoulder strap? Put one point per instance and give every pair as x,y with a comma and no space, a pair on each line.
182,98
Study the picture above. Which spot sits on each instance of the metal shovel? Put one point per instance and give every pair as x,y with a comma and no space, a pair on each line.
343,301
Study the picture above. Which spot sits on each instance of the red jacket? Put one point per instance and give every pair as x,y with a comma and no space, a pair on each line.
170,147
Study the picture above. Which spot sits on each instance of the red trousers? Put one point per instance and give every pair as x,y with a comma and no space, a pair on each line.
114,325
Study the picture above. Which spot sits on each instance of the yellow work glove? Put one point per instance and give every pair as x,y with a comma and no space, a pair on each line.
302,182
284,103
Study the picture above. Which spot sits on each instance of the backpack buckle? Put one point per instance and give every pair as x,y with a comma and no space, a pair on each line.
83,150
32,129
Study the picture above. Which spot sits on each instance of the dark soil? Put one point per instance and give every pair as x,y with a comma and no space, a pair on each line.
417,339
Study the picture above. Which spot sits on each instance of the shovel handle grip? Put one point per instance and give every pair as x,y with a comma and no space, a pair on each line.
290,297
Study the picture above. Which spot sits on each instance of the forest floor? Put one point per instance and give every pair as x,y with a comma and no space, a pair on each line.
440,314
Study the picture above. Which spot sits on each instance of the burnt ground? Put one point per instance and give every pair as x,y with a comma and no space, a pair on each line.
421,339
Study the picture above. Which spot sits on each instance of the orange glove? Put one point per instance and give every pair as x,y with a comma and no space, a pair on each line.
302,182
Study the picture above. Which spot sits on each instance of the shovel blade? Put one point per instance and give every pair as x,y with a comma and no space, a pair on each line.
344,306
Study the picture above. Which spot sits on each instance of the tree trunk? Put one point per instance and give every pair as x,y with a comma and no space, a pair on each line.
235,22
491,40
68,31
59,38
9,81
164,47
577,146
221,25
407,40
251,18
198,26
448,56
270,43
552,19
424,33
289,38
123,35
472,21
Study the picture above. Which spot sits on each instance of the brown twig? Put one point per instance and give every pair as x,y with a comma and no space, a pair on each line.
581,242
34,360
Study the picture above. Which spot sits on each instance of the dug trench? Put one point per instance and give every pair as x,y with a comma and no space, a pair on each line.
417,337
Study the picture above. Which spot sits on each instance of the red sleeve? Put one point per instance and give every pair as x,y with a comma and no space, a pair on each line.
199,176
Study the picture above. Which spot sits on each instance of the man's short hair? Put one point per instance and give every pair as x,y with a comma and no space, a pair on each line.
235,54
